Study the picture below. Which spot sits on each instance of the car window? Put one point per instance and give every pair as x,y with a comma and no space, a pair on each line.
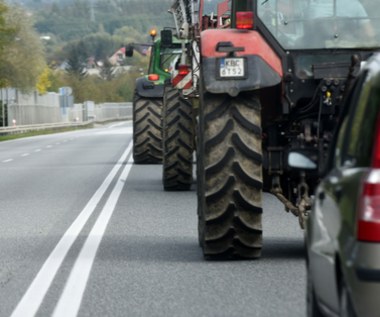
339,144
357,137
344,130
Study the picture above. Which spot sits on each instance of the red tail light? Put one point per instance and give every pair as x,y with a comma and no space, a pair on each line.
369,208
183,70
153,77
244,20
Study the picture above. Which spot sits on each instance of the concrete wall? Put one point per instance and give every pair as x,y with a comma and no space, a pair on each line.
26,109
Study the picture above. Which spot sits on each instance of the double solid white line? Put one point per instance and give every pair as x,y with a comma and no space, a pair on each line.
71,298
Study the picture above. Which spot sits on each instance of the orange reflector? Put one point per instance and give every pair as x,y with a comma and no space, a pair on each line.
244,20
153,77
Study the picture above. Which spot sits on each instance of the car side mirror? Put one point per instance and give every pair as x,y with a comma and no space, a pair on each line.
129,50
300,160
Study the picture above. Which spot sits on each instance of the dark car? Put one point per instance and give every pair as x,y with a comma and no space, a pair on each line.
343,229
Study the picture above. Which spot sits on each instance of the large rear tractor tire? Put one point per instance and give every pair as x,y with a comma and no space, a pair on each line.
147,130
178,141
229,171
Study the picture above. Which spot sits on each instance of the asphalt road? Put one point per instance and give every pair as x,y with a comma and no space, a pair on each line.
84,232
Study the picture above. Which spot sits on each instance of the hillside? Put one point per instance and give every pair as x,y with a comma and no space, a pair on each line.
79,18
96,27
73,19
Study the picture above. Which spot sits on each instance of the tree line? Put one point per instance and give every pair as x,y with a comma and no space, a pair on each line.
70,21
48,43
21,52
30,59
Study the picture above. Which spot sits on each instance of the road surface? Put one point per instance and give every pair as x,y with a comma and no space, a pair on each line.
85,232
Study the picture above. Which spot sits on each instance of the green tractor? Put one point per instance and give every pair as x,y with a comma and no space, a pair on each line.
148,98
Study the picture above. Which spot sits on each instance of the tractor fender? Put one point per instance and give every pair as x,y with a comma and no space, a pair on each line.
263,66
148,89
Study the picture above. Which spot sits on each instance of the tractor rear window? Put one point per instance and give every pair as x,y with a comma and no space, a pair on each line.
169,57
318,24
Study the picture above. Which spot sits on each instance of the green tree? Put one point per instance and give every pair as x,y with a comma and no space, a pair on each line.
94,88
77,60
128,34
67,22
6,37
99,45
107,71
23,59
57,79
125,85
44,81
5,32
77,19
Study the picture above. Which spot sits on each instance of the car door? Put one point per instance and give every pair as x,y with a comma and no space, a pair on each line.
332,220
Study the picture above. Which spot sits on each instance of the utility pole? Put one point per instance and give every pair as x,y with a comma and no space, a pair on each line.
7,98
2,108
92,12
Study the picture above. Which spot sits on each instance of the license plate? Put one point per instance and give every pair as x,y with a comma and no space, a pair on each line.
231,67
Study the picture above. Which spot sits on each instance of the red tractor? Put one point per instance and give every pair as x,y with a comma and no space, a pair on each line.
271,86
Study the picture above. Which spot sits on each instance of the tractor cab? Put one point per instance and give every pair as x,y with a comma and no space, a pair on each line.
323,24
163,54
163,58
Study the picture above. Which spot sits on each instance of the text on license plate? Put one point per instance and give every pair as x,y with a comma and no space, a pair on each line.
231,67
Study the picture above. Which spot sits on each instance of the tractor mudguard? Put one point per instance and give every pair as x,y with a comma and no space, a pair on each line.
148,89
262,66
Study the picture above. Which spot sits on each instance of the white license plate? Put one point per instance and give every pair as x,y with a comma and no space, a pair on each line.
231,67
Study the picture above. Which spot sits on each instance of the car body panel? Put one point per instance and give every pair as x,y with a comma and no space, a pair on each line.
324,227
365,291
331,236
335,254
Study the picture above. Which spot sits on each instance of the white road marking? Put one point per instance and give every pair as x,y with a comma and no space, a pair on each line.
116,125
71,299
25,154
49,146
32,299
7,161
38,150
126,130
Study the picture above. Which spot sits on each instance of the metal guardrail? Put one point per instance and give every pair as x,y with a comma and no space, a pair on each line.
39,127
53,126
97,120
100,113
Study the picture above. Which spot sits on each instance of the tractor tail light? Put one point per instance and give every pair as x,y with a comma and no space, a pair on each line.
183,70
153,77
244,20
